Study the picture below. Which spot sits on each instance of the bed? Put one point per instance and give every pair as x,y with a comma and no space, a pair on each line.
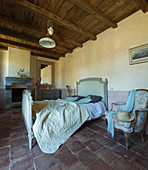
85,87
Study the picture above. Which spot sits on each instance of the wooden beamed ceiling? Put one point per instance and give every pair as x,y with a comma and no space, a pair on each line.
24,22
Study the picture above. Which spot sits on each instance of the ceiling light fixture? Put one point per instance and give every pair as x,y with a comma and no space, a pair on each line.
46,41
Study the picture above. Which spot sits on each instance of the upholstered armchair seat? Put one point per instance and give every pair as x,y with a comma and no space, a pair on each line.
124,126
140,110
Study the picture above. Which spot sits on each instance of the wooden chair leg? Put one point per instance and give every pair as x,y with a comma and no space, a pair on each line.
126,139
142,136
106,123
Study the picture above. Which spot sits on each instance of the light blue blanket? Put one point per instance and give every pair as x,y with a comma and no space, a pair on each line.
128,107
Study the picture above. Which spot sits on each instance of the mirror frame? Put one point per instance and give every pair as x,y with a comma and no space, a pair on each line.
39,62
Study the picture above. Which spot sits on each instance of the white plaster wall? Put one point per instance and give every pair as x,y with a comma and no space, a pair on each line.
18,59
108,57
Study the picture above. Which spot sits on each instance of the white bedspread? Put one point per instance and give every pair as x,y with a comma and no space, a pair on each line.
56,122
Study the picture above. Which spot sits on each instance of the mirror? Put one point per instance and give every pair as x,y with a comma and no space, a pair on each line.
45,72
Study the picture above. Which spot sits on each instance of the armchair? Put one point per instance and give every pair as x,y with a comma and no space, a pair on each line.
140,109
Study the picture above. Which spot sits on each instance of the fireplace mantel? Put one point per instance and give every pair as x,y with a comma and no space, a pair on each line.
18,80
10,82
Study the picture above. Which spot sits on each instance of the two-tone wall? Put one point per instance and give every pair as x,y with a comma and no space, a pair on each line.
108,57
11,61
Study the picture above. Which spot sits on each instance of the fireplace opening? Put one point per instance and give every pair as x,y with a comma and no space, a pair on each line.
17,95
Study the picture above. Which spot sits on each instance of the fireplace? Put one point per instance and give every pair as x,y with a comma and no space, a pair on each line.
14,90
17,95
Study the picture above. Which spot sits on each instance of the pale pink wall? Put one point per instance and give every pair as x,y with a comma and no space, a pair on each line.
116,96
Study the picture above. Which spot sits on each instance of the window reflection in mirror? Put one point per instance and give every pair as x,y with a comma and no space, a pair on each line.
45,72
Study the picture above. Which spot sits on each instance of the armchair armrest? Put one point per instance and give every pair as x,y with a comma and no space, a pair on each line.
136,116
118,106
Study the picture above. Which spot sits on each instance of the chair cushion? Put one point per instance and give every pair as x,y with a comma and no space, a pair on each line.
125,126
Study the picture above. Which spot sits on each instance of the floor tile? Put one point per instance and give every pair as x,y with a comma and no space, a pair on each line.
36,151
22,164
109,143
141,161
86,156
99,165
106,155
56,167
18,135
4,151
75,146
142,150
20,152
62,148
93,145
4,142
44,162
67,159
76,166
4,161
121,150
18,142
82,137
121,163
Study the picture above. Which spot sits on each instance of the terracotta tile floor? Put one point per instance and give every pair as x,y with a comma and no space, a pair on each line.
89,148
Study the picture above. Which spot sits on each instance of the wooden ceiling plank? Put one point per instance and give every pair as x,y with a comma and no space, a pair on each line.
37,30
143,4
76,15
8,9
66,6
33,1
26,47
37,21
85,5
29,39
104,5
44,3
96,2
28,17
121,10
19,13
1,6
118,5
55,5
38,10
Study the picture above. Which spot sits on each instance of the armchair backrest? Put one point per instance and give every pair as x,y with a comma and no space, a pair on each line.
141,99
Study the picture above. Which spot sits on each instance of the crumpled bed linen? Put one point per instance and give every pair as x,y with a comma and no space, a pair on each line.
56,122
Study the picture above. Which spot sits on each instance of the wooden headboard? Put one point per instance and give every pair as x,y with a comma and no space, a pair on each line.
93,86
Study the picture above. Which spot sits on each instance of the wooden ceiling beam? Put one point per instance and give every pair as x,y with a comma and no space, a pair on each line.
37,30
55,18
3,47
143,4
23,38
85,5
43,55
8,43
